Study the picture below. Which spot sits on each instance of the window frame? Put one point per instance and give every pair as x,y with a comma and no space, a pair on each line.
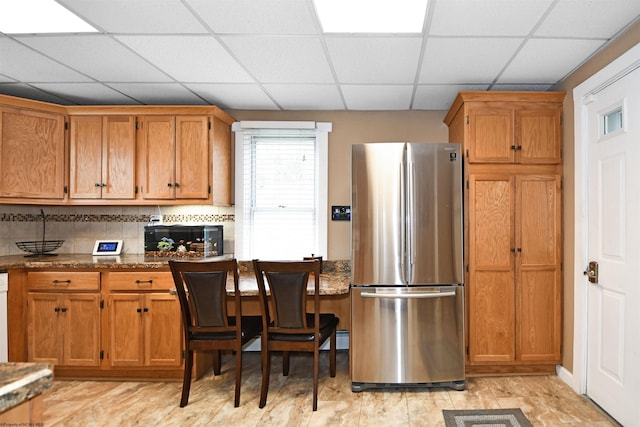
322,130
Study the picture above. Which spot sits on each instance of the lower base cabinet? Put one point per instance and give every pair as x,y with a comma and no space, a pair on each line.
143,330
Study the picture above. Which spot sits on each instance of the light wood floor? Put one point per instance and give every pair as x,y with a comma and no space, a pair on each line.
545,400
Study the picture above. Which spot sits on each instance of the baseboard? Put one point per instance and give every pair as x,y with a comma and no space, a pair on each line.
342,342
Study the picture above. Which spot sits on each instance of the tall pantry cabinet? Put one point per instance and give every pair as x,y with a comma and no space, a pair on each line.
513,228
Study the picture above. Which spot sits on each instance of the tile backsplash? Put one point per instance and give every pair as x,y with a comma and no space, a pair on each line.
80,226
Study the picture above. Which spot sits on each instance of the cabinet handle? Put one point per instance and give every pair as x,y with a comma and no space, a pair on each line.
177,184
63,309
144,281
513,249
138,310
169,185
519,147
57,309
513,147
97,184
146,310
56,281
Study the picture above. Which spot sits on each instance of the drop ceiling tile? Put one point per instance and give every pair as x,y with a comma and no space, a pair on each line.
439,97
547,60
306,97
392,60
86,93
135,17
281,59
466,60
27,65
197,59
234,96
97,56
486,17
287,17
588,18
377,97
25,91
158,93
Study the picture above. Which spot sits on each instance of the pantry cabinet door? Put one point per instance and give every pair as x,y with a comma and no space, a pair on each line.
538,272
491,137
539,135
491,268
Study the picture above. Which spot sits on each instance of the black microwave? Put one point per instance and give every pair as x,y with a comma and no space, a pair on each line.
183,240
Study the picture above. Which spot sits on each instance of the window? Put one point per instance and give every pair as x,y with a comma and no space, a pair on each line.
281,189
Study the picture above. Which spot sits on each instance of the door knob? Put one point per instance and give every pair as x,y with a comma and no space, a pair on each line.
592,272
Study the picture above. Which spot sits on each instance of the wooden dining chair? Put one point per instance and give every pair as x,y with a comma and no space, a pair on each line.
202,290
287,326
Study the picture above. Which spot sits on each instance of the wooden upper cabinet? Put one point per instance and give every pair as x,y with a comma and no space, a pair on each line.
102,157
32,154
508,127
174,157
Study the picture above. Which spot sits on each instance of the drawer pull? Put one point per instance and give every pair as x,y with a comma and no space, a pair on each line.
56,281
144,281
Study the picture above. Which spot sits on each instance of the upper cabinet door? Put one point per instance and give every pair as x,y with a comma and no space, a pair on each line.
32,154
118,157
193,170
157,152
85,164
539,135
490,133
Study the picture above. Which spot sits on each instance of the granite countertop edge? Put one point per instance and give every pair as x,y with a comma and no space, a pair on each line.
20,382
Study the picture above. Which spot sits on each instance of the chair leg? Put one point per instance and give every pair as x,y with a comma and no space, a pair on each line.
316,363
266,368
332,355
236,401
186,381
217,362
285,363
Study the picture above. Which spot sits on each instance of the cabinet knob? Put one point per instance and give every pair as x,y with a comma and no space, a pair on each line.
176,185
169,184
138,310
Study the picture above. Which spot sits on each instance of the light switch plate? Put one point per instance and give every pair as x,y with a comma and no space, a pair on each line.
155,219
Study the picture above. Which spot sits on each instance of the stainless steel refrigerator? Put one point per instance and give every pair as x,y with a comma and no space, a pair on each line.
407,295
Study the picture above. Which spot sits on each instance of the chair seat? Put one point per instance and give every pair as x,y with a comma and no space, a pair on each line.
251,326
328,322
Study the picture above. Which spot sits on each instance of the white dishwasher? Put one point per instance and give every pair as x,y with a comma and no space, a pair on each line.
4,286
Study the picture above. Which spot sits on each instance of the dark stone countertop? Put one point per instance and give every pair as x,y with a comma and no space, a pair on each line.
20,382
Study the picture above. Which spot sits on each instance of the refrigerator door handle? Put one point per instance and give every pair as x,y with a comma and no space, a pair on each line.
403,231
408,295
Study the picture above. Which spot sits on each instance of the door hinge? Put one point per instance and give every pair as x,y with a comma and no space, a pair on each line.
66,190
138,125
66,125
183,355
102,304
209,124
467,153
101,354
136,190
467,184
467,119
209,189
467,350
467,268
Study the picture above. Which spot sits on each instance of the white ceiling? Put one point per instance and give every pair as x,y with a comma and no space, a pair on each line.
272,54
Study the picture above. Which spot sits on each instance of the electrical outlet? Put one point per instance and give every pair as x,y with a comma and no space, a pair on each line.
155,220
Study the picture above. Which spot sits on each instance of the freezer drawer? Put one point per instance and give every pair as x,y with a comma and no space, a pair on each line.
407,335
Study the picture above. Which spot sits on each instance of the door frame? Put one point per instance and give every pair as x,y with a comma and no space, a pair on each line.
582,94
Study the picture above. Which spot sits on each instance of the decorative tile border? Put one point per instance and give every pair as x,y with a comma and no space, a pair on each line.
171,218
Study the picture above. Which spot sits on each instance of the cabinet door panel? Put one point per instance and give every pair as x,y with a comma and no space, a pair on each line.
538,135
491,317
222,174
82,329
32,154
43,329
491,134
539,316
192,157
118,157
158,153
163,332
126,345
85,157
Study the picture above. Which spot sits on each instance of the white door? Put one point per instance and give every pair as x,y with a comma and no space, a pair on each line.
613,324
